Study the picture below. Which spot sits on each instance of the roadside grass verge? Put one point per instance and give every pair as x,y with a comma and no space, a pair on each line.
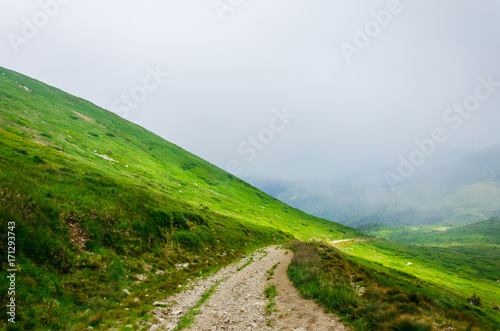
370,299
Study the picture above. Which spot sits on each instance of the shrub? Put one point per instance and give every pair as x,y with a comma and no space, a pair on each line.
195,218
475,300
187,240
180,221
35,159
161,218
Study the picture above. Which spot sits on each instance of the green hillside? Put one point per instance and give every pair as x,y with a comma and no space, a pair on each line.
382,285
481,238
101,205
463,260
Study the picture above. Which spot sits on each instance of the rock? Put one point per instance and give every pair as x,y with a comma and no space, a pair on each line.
126,292
160,320
90,328
159,303
177,312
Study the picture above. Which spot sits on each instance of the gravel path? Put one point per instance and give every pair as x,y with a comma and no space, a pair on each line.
238,303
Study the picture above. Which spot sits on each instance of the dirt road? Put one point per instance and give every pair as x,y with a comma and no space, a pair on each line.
235,300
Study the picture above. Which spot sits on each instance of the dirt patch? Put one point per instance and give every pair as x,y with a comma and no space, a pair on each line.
88,119
77,236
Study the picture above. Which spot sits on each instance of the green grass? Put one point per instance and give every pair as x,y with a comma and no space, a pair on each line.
371,295
436,268
478,240
271,293
464,259
98,200
250,260
270,272
408,324
482,235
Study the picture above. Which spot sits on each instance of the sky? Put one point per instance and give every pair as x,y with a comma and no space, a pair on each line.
291,89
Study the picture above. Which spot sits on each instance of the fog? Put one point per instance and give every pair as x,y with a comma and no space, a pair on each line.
298,90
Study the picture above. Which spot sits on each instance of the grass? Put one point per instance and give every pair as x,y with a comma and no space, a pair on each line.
371,296
271,293
270,272
101,205
264,254
408,324
464,260
250,260
480,238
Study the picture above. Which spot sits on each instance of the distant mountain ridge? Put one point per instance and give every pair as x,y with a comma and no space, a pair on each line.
480,166
465,191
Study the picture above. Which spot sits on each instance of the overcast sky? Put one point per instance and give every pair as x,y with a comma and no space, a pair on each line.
326,87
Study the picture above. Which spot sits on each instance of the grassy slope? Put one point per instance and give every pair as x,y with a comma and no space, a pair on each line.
481,238
371,297
88,226
460,259
458,273
464,259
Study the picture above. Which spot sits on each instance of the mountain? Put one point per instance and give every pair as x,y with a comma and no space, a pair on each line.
481,166
103,220
467,190
95,204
